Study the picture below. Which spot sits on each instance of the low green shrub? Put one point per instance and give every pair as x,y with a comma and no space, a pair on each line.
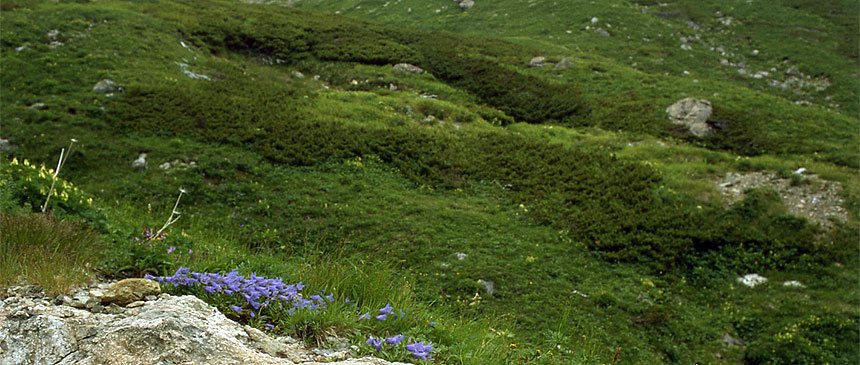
27,187
812,339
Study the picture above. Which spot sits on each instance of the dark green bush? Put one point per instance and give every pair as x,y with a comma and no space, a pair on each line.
485,71
501,85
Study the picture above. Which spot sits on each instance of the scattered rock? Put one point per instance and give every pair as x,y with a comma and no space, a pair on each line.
5,146
298,75
187,71
130,290
196,76
793,284
489,286
563,64
177,165
813,198
692,25
601,32
752,280
140,163
730,341
693,113
537,61
460,256
405,67
465,4
106,86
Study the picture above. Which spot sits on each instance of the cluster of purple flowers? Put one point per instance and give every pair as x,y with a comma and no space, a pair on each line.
419,350
384,312
257,291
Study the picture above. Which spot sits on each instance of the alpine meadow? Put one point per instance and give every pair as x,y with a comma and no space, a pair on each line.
438,181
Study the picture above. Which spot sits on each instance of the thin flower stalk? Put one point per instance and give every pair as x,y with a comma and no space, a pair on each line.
63,157
174,215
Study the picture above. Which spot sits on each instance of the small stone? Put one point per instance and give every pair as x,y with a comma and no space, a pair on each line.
730,341
460,256
287,340
98,308
752,280
5,146
39,106
489,286
140,163
537,61
150,298
563,64
130,290
135,304
106,86
793,284
466,4
164,166
601,32
298,75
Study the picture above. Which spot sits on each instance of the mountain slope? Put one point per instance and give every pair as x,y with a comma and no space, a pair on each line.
597,223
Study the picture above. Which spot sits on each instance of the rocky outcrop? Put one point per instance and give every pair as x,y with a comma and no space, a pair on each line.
405,67
167,330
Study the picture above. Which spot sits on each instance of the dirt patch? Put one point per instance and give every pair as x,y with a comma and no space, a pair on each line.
804,195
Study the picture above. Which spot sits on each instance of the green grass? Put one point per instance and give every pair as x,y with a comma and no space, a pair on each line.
598,221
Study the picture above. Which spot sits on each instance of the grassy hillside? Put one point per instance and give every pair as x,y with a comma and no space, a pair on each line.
537,214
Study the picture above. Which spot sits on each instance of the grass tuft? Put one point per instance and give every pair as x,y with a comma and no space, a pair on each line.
53,254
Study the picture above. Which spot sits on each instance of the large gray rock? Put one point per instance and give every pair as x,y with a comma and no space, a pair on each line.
172,330
694,114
